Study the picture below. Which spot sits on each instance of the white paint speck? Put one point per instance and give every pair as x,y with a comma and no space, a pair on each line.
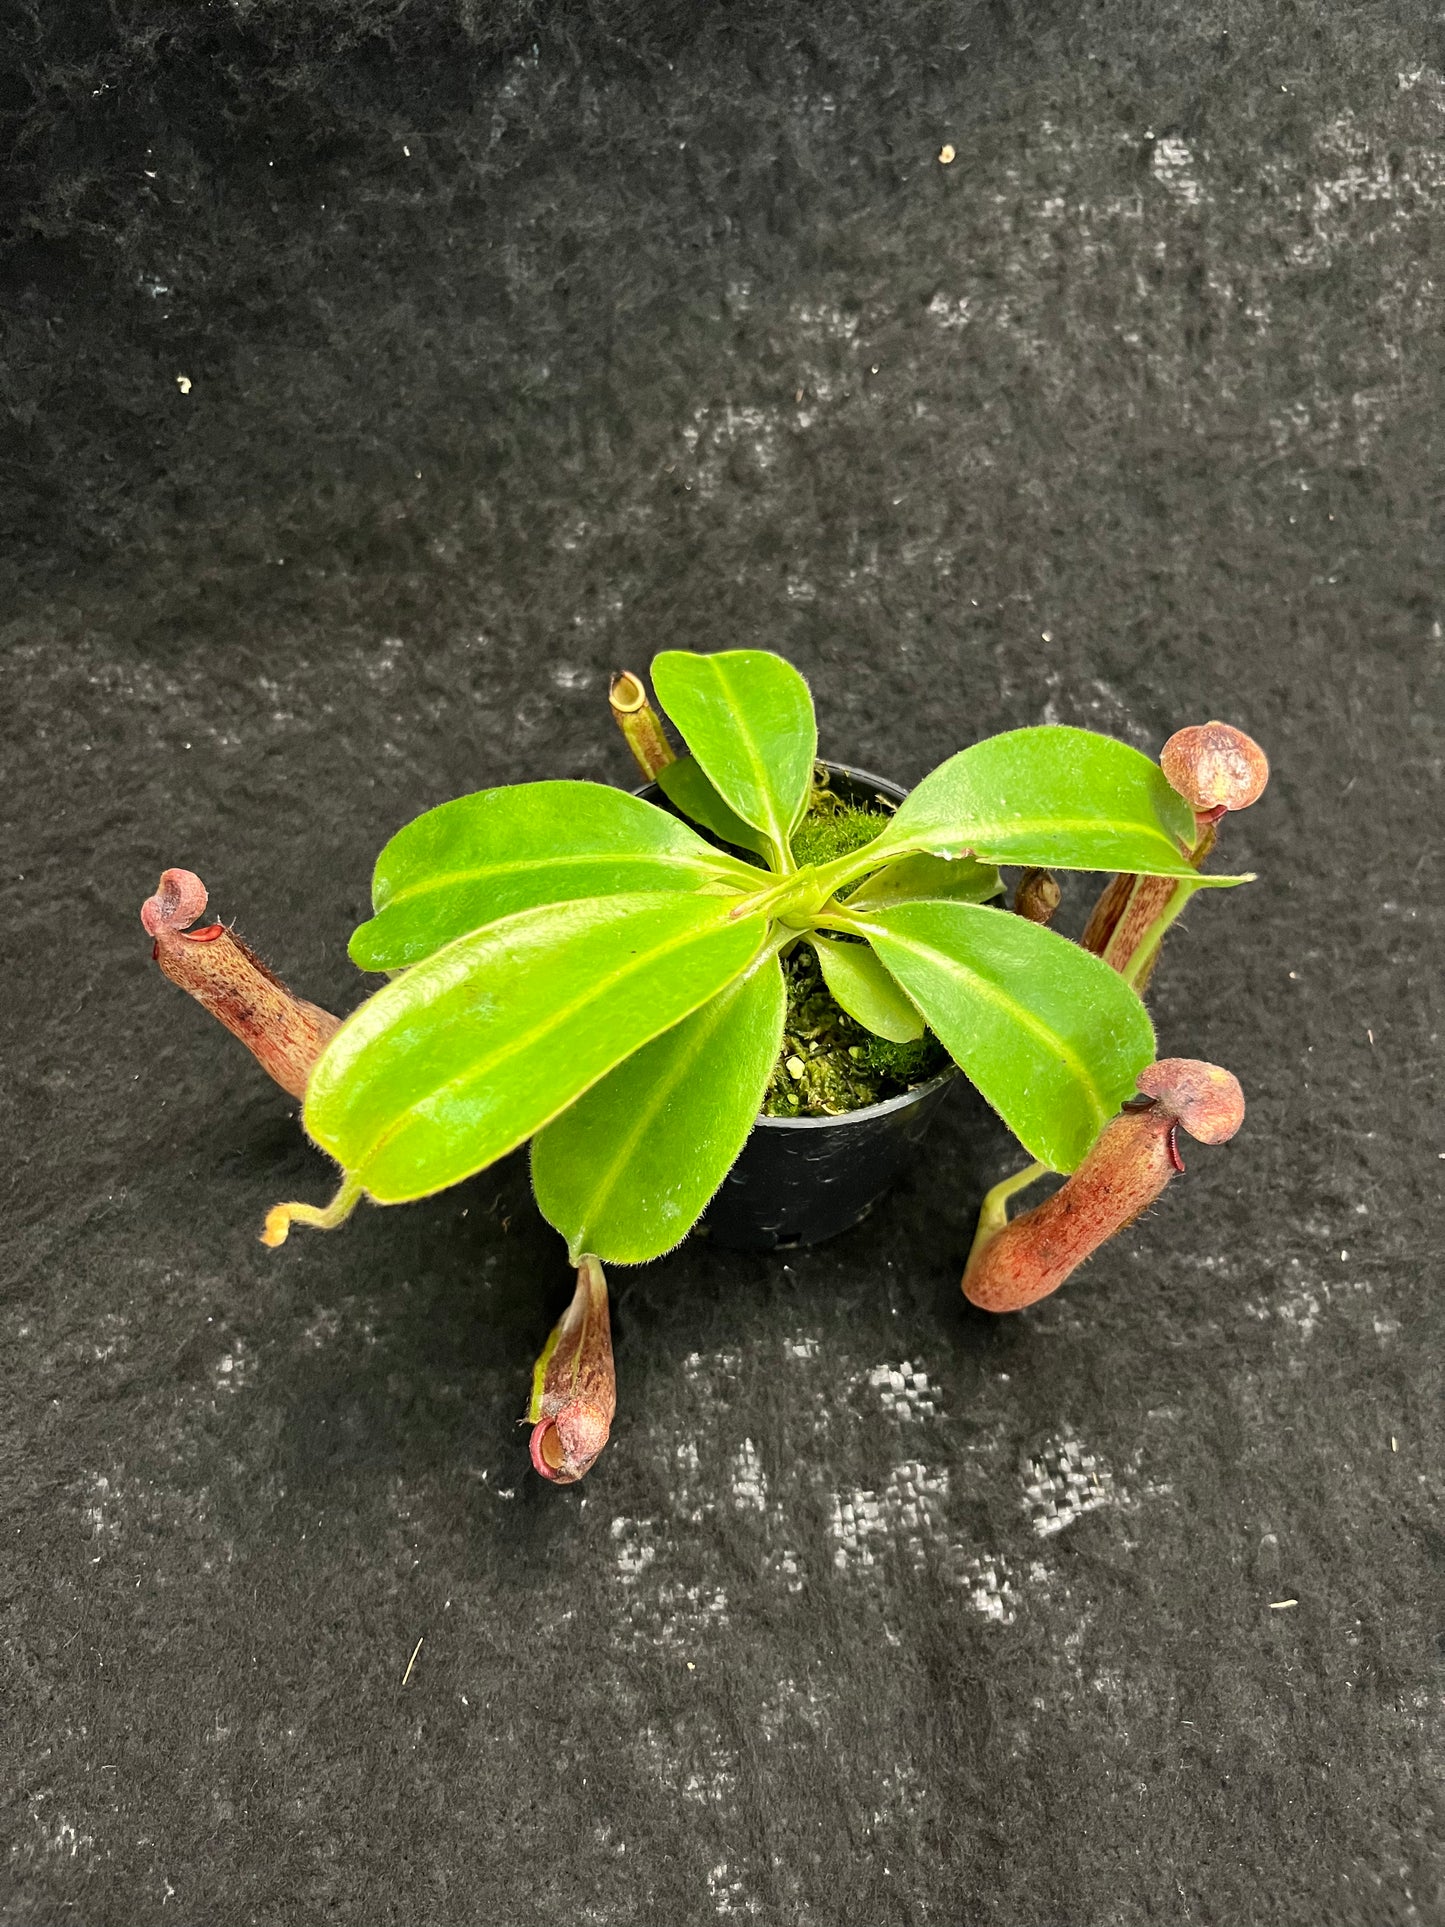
749,1481
1062,1483
904,1391
907,1514
1173,165
990,1589
322,1329
635,1550
232,1369
950,312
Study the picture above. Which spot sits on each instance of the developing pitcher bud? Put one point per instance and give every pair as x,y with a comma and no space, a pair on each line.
1037,896
640,724
1215,767
1134,1159
574,1385
283,1033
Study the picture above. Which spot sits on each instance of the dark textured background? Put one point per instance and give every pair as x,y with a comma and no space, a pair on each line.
670,328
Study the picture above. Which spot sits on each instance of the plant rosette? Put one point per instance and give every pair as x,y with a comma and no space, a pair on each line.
844,1107
572,965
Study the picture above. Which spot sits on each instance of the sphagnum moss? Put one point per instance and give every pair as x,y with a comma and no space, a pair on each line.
833,827
829,1064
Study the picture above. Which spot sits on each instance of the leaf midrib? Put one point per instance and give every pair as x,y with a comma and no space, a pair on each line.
661,1091
555,1018
665,859
1027,826
773,828
991,993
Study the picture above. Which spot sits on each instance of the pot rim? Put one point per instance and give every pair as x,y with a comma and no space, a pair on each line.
765,1123
895,790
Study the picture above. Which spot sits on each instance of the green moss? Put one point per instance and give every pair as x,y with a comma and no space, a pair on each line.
829,1064
833,828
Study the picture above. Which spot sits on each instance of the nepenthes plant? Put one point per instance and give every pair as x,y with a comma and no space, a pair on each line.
613,979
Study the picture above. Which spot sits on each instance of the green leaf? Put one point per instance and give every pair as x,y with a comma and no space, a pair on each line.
748,719
932,879
1052,1036
458,1061
626,1172
1065,799
489,855
684,784
860,982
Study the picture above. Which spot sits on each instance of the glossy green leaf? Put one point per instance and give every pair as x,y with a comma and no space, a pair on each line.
626,1172
747,717
684,785
1052,1037
487,856
932,879
1066,799
468,1053
860,982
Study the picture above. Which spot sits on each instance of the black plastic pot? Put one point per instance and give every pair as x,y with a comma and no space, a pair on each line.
799,1180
